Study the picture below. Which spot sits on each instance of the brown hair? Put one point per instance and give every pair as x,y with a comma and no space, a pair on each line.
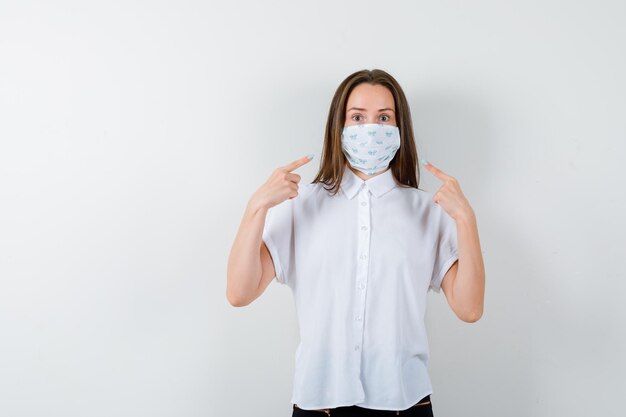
333,161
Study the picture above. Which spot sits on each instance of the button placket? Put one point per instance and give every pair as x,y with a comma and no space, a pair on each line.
362,269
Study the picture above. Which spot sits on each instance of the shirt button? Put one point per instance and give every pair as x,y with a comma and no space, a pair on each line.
363,203
363,227
363,256
356,347
358,318
361,285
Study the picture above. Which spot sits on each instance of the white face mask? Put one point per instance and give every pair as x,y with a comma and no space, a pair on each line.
370,147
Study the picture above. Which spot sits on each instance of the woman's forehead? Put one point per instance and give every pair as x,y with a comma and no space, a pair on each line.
370,97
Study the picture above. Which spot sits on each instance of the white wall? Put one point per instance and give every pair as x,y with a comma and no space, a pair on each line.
133,133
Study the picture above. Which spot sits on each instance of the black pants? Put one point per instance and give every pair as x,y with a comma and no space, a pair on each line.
423,410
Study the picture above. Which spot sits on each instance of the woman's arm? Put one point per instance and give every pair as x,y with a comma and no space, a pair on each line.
248,264
464,283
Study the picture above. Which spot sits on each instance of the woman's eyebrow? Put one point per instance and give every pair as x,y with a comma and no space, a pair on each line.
361,109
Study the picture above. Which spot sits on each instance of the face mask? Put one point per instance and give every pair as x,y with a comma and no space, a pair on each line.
370,147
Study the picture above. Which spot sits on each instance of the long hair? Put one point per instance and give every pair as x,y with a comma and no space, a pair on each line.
333,161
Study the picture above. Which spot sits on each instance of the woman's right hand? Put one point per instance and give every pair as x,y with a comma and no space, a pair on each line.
280,186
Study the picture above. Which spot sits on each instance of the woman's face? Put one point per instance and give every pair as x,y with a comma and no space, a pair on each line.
369,103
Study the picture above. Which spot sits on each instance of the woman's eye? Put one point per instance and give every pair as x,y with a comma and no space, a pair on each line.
355,116
386,117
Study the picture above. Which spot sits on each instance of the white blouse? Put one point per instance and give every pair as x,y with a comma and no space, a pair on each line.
359,265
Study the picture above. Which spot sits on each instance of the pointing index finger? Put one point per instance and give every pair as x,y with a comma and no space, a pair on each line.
436,171
298,163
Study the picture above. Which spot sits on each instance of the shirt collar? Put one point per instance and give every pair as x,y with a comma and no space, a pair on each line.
378,185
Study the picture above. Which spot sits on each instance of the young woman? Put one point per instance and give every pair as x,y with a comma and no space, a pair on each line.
359,247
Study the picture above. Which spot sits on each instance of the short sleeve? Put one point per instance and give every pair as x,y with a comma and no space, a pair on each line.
278,237
445,250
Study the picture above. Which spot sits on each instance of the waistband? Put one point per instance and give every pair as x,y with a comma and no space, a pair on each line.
422,402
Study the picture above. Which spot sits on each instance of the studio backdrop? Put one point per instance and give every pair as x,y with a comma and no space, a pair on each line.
133,134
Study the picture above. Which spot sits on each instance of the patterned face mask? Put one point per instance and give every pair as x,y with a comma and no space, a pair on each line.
370,147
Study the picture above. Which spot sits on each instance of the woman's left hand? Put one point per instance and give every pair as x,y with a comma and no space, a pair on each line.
449,196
